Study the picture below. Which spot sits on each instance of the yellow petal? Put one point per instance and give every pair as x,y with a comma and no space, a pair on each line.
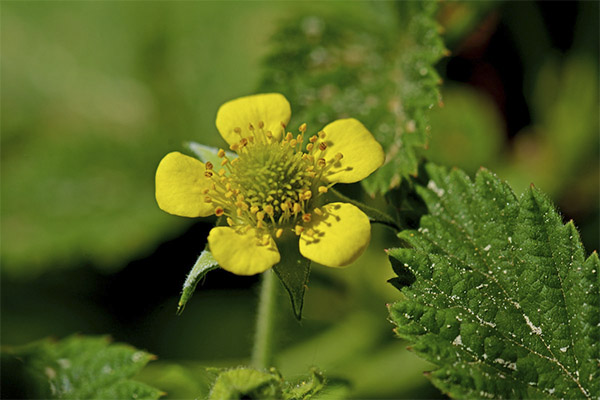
338,237
242,251
180,183
362,154
272,109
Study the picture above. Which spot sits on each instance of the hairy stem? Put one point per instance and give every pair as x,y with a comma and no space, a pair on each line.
262,353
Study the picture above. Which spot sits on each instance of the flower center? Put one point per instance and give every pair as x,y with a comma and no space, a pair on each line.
272,185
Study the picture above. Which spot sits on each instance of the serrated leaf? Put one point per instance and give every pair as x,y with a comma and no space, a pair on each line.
498,293
371,63
293,270
79,368
204,264
243,383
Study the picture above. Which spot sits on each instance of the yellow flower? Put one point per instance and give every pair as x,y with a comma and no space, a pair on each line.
274,187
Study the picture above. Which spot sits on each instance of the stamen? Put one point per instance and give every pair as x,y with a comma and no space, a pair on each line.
278,233
322,146
302,128
261,124
230,221
237,130
298,229
221,153
323,189
306,217
208,165
208,174
219,211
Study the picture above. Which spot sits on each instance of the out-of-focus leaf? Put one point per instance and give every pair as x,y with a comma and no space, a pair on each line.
86,118
564,136
499,293
371,63
467,132
204,264
76,368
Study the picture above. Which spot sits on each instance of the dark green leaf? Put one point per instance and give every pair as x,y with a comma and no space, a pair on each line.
293,270
373,63
203,265
504,300
77,368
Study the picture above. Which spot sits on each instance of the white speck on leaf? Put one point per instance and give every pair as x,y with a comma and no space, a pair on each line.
487,248
534,329
433,187
457,341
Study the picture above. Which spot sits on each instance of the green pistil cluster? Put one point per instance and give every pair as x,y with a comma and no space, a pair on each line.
273,185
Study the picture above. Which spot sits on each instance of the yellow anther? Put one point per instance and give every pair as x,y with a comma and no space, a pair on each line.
318,211
269,134
307,195
234,161
254,209
284,207
289,136
251,127
338,157
266,241
228,186
207,199
261,124
229,194
322,135
237,130
306,217
243,142
222,172
298,229
310,232
323,189
240,197
230,221
208,165
313,138
309,147
278,233
302,128
297,208
293,143
322,146
208,174
221,153
239,212
268,209
234,147
223,162
219,211
259,224
321,162
299,138
260,215
205,191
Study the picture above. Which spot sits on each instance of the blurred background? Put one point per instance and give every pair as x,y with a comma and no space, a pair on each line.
93,94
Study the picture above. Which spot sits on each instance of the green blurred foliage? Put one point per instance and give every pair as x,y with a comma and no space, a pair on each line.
93,95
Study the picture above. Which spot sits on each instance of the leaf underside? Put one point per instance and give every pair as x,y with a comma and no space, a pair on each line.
293,271
77,368
343,64
498,293
203,266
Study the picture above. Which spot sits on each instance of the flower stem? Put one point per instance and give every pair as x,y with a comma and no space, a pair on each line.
262,353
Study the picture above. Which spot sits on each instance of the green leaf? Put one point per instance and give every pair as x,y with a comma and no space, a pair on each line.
203,266
244,383
208,153
374,63
293,270
77,368
498,293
